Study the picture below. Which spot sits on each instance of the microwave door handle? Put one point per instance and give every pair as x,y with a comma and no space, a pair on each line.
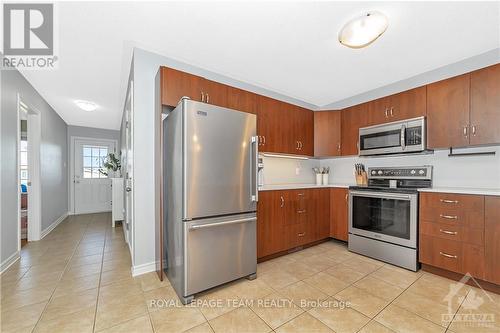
403,137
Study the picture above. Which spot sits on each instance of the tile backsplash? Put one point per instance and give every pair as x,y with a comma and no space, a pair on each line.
468,171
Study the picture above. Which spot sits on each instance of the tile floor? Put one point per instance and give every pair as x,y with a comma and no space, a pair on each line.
77,279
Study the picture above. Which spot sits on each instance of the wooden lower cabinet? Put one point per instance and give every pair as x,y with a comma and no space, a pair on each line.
466,240
339,212
492,239
291,218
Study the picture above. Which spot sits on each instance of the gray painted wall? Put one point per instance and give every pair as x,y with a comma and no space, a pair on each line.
95,133
53,159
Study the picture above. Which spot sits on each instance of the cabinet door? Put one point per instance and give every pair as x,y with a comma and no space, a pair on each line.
269,127
241,100
378,111
270,217
176,84
352,119
485,106
473,260
305,131
408,104
491,239
448,112
319,214
339,213
215,93
327,137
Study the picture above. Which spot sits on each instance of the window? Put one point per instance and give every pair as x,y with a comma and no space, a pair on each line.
93,160
23,162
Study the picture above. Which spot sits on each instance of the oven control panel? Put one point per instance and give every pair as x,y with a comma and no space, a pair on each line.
421,172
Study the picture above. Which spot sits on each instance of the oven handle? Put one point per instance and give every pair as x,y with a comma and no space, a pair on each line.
382,195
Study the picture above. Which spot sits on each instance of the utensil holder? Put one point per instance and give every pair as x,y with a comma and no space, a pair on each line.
325,178
362,179
319,178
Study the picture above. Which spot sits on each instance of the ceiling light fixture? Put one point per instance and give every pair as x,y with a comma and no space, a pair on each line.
363,30
86,105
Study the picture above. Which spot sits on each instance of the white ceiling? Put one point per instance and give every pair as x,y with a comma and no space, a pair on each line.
287,48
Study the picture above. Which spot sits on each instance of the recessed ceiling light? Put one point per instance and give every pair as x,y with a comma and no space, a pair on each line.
363,30
86,105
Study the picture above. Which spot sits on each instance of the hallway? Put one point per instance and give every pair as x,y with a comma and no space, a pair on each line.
77,279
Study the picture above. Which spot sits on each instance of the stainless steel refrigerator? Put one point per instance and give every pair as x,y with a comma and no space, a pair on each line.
210,196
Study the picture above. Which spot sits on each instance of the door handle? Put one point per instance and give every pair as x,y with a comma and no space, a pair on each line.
282,201
338,147
465,131
447,255
202,97
449,217
208,98
128,189
296,145
264,137
301,145
448,232
386,112
474,130
392,112
449,201
221,224
255,173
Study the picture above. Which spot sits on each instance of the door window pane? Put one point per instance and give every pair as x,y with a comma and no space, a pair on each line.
93,161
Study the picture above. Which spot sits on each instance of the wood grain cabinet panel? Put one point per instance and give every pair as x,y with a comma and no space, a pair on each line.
339,208
270,223
270,115
378,111
241,100
327,135
176,84
492,239
352,119
473,261
448,112
318,217
442,253
215,93
409,104
485,106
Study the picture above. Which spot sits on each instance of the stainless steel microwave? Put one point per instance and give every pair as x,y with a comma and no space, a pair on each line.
405,136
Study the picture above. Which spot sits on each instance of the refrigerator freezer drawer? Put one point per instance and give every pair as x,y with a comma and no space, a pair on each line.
219,250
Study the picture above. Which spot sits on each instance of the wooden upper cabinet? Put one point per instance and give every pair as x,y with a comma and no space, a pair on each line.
241,100
176,84
409,104
485,106
303,131
352,119
491,241
405,105
327,135
269,117
339,213
214,93
448,112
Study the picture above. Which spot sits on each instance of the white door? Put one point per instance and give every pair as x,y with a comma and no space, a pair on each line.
128,165
92,188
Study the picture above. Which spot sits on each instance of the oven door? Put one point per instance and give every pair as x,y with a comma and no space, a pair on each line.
389,217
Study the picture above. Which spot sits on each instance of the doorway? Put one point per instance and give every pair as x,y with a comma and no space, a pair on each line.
91,188
28,171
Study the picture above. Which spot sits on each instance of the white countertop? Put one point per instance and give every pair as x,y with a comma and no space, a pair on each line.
273,187
463,190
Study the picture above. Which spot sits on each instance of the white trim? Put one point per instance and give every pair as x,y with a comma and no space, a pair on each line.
143,269
54,224
71,173
9,261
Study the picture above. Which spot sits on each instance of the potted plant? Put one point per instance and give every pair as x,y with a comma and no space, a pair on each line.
111,164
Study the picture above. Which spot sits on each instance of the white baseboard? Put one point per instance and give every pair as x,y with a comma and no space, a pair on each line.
9,261
54,224
144,268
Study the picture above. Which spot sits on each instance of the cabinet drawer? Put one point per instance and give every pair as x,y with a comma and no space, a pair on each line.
453,232
297,234
453,216
452,201
442,253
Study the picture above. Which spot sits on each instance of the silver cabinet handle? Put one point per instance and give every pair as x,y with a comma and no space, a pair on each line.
296,145
264,137
448,232
338,147
301,211
255,174
221,224
301,145
302,234
447,255
449,201
386,112
282,201
465,131
202,97
208,98
474,130
449,217
392,112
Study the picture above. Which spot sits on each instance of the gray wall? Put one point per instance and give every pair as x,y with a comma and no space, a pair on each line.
94,133
53,159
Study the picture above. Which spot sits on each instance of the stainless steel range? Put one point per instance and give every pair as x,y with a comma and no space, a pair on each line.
383,216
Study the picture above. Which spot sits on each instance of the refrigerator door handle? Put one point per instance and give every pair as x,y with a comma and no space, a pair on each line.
255,170
220,224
